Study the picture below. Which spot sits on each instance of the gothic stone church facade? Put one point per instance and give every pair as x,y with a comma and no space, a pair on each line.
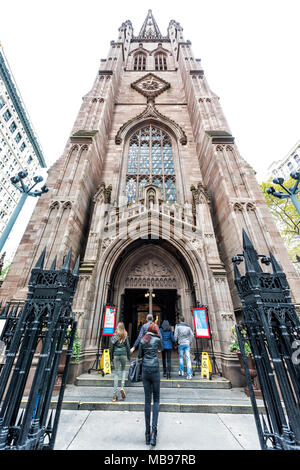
153,194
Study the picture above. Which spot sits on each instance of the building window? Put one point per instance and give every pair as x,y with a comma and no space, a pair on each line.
139,62
2,102
18,137
160,61
297,160
7,115
23,146
150,161
13,127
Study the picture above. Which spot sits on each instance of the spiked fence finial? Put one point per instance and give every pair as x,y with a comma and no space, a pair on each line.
76,268
53,265
250,254
276,267
67,263
40,261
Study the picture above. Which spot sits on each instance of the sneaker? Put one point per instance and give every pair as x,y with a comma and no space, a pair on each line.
123,394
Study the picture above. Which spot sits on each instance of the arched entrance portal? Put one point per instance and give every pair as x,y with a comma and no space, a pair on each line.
150,276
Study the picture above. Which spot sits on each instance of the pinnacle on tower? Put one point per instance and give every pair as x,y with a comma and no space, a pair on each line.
150,30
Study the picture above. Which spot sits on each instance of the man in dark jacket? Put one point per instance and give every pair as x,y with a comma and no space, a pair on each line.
143,330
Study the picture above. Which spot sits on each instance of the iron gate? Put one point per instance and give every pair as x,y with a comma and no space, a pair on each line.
271,327
36,331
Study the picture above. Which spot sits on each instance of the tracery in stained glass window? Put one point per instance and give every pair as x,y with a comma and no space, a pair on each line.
170,190
131,189
150,160
142,182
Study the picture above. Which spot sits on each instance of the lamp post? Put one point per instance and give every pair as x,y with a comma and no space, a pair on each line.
290,192
150,295
26,191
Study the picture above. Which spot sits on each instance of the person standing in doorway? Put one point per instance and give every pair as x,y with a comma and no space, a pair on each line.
149,347
184,336
168,340
149,319
120,349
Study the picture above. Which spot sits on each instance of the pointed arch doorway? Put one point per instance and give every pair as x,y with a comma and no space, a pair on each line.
151,276
163,304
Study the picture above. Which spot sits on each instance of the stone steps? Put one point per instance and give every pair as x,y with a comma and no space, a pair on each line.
107,405
181,396
178,395
94,392
96,380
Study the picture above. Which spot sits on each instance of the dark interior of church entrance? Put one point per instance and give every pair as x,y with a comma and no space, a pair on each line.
136,307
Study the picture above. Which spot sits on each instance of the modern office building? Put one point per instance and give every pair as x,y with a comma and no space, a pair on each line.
283,168
19,146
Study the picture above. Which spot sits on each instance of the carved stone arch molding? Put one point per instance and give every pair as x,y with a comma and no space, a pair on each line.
54,205
250,207
73,149
137,50
67,205
148,269
83,148
160,48
150,113
187,264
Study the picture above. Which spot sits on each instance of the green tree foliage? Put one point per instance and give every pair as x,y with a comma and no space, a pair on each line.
286,217
283,210
4,272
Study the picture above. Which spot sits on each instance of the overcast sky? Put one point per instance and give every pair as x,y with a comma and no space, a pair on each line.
249,51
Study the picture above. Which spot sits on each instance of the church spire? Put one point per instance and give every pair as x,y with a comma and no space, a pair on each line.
150,30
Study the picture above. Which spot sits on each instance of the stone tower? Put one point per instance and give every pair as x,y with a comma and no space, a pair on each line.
153,194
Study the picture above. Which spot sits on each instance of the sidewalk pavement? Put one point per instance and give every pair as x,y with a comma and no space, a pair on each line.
124,430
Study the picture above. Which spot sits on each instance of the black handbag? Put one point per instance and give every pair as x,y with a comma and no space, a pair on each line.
135,371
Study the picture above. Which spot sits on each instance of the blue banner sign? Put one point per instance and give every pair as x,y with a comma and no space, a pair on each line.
201,322
109,320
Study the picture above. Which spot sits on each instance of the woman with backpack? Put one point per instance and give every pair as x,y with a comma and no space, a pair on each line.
168,340
120,349
149,347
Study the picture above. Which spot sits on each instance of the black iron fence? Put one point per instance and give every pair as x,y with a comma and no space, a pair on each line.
34,335
271,327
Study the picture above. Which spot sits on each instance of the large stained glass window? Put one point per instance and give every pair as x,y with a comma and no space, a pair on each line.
150,160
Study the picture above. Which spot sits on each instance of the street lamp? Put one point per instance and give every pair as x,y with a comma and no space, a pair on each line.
290,192
151,295
26,191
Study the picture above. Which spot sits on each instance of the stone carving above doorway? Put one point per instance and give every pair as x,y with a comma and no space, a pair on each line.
151,272
151,267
